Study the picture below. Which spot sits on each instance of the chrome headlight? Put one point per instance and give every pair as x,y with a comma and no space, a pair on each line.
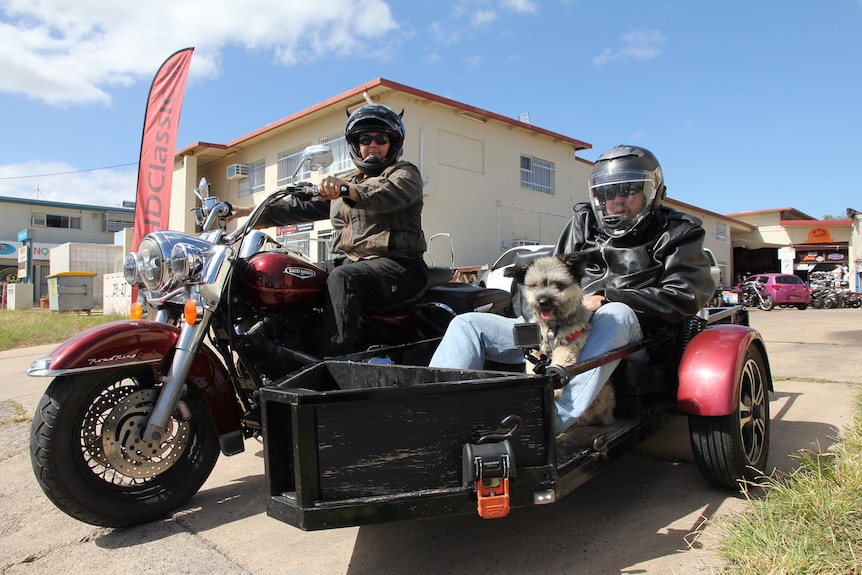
186,263
166,260
130,269
153,265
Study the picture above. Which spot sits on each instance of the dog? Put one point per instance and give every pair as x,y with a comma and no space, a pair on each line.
551,289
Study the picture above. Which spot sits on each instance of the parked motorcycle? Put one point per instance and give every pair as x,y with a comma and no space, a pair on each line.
133,422
753,294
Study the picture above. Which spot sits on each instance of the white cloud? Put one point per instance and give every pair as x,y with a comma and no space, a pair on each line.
521,5
60,182
74,51
444,34
483,17
639,45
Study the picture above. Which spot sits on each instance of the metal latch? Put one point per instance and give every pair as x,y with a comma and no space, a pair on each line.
488,465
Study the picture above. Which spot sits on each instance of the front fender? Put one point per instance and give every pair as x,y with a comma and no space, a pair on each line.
710,369
107,346
135,342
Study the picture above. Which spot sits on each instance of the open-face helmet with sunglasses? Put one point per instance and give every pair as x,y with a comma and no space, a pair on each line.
626,187
384,122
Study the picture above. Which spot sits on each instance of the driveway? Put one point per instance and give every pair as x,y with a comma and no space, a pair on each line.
635,517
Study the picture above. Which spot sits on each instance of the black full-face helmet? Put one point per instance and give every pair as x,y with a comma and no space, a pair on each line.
620,178
375,118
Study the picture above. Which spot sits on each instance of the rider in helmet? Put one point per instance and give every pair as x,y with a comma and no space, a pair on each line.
380,119
645,268
626,186
376,213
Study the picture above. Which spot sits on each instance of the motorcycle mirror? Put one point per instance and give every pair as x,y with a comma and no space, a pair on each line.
315,158
203,189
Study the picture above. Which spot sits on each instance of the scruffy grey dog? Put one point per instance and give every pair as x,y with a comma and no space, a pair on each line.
552,290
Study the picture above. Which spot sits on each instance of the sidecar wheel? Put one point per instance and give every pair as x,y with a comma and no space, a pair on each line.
735,447
91,464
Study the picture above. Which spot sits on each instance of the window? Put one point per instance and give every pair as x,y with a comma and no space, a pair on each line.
537,175
255,182
115,221
287,163
340,154
721,231
50,221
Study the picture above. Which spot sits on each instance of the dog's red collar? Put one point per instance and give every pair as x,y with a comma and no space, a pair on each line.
574,336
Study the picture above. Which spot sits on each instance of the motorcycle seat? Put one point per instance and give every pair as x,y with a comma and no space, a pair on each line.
437,275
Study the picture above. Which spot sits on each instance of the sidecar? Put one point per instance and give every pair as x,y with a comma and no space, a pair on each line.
355,441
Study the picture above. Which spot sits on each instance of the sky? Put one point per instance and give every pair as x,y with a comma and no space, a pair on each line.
747,105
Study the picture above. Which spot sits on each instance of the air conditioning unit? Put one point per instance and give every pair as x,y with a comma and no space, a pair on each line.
237,171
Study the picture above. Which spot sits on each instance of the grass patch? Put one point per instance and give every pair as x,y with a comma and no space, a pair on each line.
808,522
27,327
12,412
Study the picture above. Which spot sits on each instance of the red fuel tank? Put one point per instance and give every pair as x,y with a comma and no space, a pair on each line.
279,280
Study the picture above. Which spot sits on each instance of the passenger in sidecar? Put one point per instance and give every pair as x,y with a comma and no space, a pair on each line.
644,258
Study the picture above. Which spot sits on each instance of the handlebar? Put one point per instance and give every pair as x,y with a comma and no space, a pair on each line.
302,191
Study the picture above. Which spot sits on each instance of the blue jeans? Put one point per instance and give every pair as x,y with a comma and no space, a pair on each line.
473,337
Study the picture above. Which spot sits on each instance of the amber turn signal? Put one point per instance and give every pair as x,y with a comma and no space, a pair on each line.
190,312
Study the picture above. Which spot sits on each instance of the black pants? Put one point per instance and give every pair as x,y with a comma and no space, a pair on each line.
352,286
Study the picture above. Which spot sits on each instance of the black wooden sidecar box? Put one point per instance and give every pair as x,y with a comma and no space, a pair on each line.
350,443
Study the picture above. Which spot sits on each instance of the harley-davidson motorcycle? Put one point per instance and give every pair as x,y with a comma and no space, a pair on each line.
138,411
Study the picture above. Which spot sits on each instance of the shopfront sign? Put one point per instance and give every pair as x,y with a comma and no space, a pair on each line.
9,250
819,236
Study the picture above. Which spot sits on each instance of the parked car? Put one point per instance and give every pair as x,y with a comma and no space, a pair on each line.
717,278
493,277
786,290
714,269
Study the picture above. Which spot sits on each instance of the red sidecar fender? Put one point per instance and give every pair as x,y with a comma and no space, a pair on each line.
109,345
711,367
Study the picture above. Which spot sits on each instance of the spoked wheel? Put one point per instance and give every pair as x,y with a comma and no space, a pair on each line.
735,447
767,303
90,461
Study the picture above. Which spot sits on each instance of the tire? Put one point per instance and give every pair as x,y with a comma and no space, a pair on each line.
735,447
81,451
802,306
768,304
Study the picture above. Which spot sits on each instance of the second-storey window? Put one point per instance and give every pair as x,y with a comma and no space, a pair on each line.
537,175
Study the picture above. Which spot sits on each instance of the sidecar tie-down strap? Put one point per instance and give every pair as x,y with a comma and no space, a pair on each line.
488,465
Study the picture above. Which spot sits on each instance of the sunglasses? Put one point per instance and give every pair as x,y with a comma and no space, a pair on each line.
380,139
624,190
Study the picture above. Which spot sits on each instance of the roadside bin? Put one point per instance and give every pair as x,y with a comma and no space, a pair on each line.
71,291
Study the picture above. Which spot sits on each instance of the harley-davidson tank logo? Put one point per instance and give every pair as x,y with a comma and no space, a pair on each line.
117,357
301,273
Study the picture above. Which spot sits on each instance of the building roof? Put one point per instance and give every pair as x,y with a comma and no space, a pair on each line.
47,204
784,214
355,97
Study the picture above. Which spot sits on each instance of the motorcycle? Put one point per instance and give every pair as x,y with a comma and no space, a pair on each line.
753,294
133,422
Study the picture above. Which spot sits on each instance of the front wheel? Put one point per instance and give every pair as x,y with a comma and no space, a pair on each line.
735,447
89,460
767,303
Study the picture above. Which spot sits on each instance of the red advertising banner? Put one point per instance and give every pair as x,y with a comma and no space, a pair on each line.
158,145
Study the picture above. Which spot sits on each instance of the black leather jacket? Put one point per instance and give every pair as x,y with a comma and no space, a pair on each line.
659,269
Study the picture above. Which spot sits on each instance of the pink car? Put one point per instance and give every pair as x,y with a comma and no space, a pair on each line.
786,290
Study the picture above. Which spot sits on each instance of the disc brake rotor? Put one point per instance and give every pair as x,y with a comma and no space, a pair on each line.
124,449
